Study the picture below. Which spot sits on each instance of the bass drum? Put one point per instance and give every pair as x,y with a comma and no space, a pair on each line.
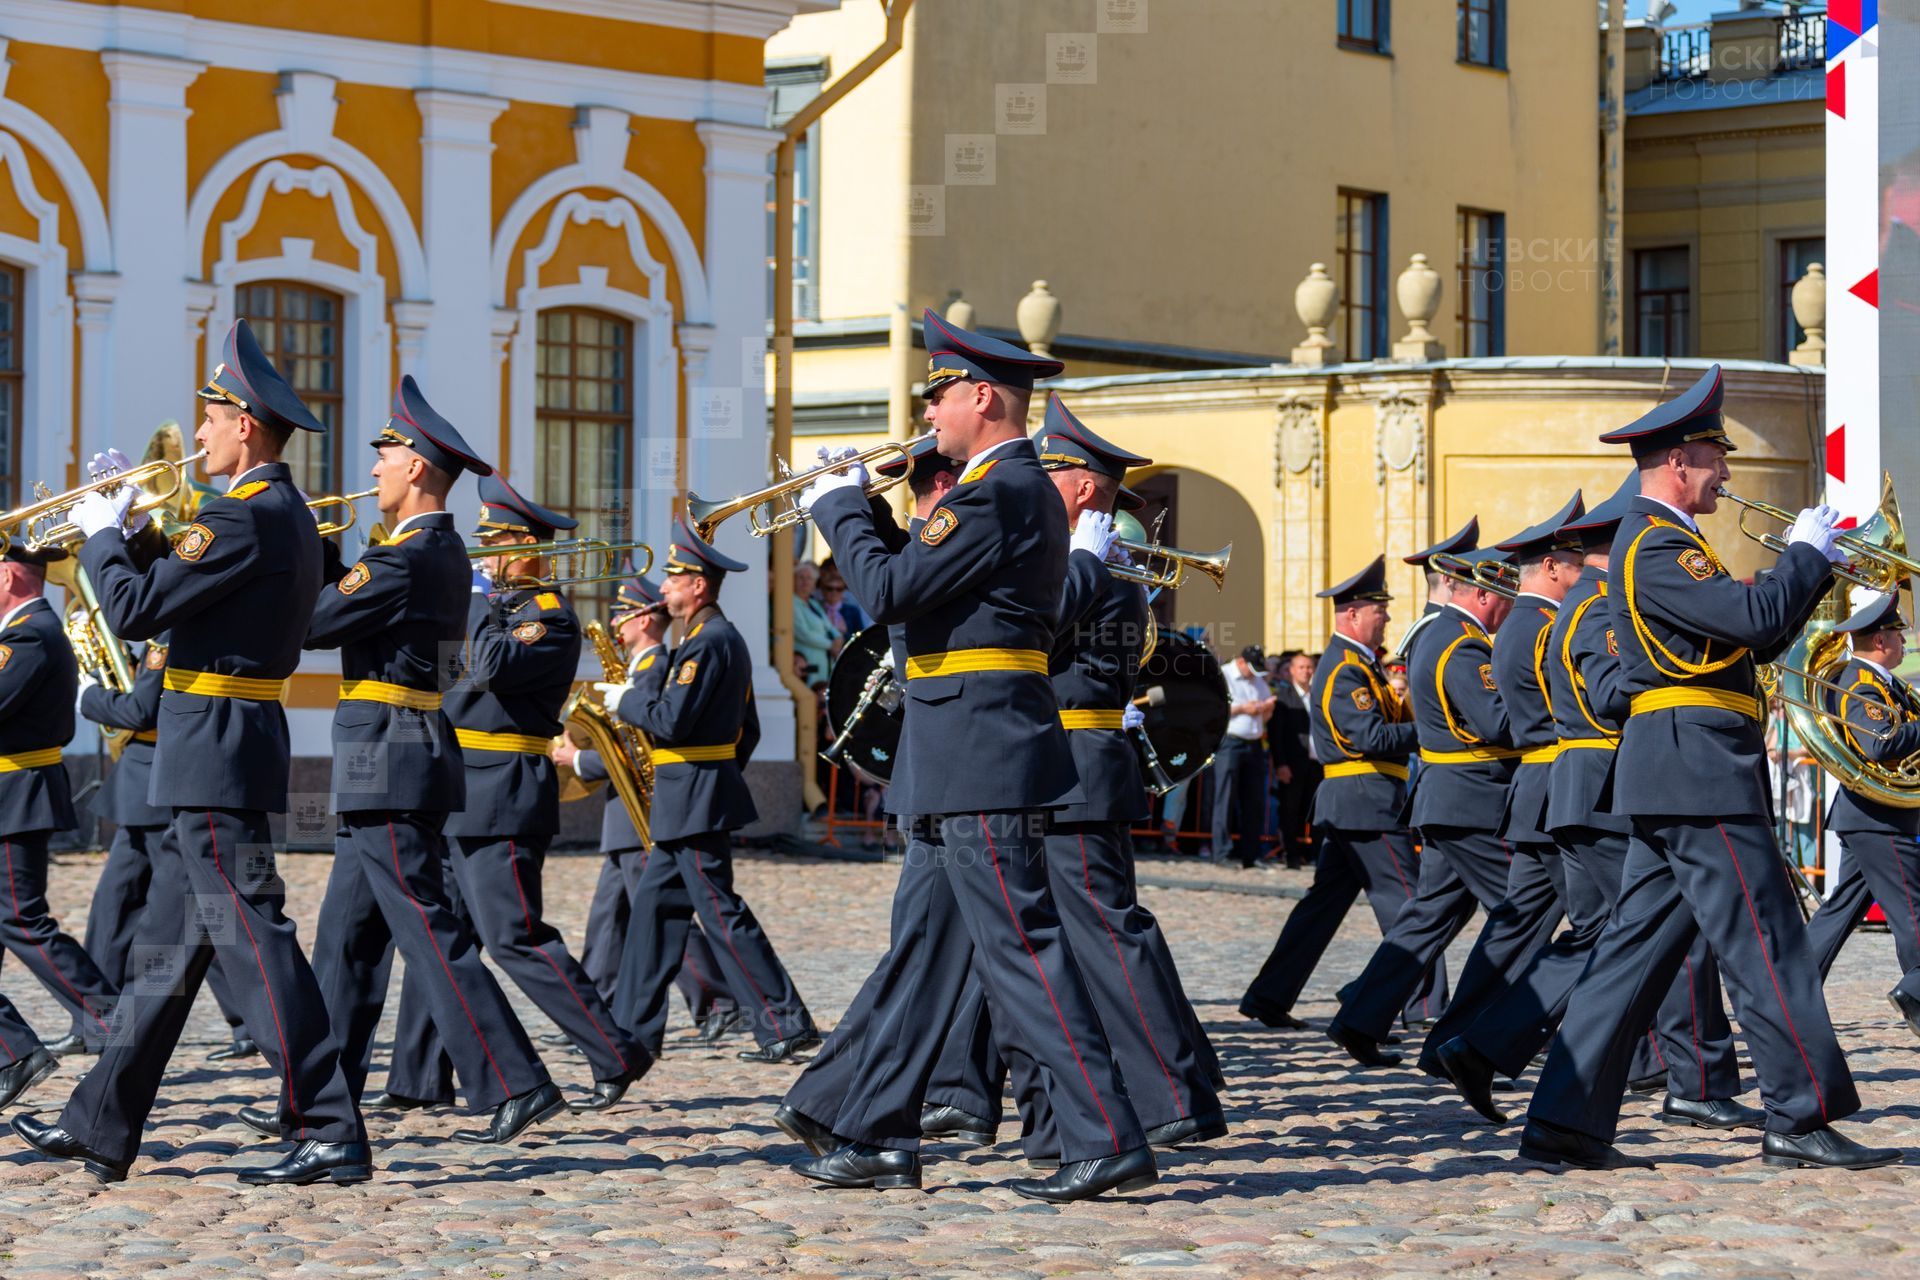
1187,717
875,741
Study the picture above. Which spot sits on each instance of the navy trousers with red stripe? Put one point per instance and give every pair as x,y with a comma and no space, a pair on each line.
17,1039
987,908
215,887
1878,866
497,887
1725,879
608,914
29,931
388,886
681,881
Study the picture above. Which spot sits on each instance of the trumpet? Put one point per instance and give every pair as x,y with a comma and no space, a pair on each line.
42,522
1496,576
782,498
1876,551
1167,567
330,527
576,561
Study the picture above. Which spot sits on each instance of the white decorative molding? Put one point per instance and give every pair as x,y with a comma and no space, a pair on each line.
323,183
1297,444
148,84
463,120
47,401
6,64
83,198
1399,437
577,210
756,18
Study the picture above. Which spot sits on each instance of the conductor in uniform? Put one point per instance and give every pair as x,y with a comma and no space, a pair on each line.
1690,773
236,592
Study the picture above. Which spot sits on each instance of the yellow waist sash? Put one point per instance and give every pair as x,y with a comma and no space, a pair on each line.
1589,744
29,759
692,755
1472,755
1090,719
394,695
1357,768
209,684
481,740
960,661
1540,755
144,735
1720,699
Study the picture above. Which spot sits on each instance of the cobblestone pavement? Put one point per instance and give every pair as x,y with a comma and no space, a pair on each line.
1326,1171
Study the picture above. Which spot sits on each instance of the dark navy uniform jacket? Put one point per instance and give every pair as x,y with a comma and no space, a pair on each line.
1520,669
1686,630
398,617
123,797
982,729
1095,663
517,667
1421,623
236,593
1874,701
38,682
1589,706
698,700
1466,743
1362,735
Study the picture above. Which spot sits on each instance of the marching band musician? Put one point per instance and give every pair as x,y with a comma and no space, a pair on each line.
516,670
982,754
1689,773
1362,736
1439,589
1882,860
236,592
696,706
1467,757
397,615
639,622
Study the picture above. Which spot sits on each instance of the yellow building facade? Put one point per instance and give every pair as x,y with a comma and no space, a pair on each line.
551,212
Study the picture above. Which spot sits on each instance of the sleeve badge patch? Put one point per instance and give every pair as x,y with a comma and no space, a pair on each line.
357,577
6,653
1613,646
688,670
1698,566
1363,699
938,526
156,657
528,632
194,542
1873,709
1486,675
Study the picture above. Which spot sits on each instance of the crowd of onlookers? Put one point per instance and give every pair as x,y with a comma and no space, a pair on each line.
824,618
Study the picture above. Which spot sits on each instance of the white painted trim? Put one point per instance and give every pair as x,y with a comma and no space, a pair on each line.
83,198
323,183
756,18
376,62
620,215
46,402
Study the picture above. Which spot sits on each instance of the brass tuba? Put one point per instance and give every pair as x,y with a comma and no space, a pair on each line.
624,749
95,648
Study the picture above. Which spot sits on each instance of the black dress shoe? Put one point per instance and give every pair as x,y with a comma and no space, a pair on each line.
1714,1113
1824,1148
1084,1179
781,1050
1472,1075
1908,1007
387,1100
261,1121
1648,1084
24,1074
721,1023
516,1115
607,1092
555,1038
1550,1144
1044,1162
1175,1133
312,1161
805,1130
52,1140
242,1047
1363,1049
70,1043
859,1165
1270,1016
952,1125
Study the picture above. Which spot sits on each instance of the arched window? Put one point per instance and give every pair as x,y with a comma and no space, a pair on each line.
13,336
583,427
302,330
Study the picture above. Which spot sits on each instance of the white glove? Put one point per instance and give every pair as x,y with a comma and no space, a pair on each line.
611,694
855,474
1814,526
481,582
1132,718
97,511
1094,532
827,484
103,463
86,682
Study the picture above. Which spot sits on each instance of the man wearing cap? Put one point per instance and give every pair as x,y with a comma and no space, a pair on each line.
1525,918
1690,1048
1467,754
398,616
515,672
696,706
982,753
1882,863
236,592
1439,588
639,621
1362,735
1690,774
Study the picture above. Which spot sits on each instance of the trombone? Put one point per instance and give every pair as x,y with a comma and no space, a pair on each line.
1496,576
1878,568
576,561
42,522
1167,567
330,527
782,498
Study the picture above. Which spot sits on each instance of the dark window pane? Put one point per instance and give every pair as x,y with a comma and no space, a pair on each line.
584,427
298,326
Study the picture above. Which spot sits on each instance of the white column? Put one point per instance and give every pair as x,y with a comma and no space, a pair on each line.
727,409
93,299
455,354
144,348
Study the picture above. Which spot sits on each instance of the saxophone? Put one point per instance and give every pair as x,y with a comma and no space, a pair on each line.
625,749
